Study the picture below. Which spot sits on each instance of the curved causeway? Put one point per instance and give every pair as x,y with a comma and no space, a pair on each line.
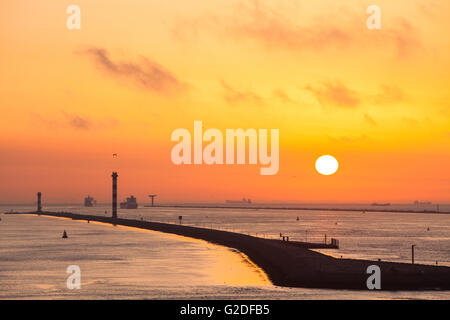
294,266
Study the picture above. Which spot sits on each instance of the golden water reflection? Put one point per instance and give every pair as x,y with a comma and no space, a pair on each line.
223,266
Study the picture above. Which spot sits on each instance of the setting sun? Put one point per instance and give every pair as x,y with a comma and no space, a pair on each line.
327,165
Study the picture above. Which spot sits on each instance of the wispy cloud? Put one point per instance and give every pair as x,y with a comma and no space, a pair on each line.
389,94
234,96
72,121
77,121
335,94
431,9
401,36
273,28
350,139
145,73
283,96
370,120
410,121
257,21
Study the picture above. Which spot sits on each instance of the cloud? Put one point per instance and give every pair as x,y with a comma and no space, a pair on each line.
335,94
145,73
431,9
274,28
410,121
370,120
389,94
72,121
283,96
339,95
78,122
234,96
348,139
402,35
254,20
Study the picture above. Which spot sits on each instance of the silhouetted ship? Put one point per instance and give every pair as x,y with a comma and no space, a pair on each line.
130,203
381,204
89,201
417,202
243,201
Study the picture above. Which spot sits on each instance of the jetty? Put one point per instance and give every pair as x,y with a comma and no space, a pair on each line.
294,264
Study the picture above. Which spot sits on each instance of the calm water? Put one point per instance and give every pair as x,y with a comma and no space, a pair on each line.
122,263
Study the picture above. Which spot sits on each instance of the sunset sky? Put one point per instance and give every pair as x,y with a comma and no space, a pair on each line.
377,100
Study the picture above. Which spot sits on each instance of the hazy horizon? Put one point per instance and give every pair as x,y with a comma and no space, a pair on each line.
224,202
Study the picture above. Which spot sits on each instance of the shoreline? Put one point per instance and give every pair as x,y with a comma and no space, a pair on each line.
295,266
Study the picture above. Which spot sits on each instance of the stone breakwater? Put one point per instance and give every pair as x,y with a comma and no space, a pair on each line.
293,265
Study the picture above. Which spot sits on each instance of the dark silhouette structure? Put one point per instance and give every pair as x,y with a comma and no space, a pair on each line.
39,204
89,201
153,198
114,195
130,203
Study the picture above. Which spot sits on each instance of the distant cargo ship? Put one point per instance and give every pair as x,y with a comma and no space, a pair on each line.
130,203
246,201
417,202
381,204
89,201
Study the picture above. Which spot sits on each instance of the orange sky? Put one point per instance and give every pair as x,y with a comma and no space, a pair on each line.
377,100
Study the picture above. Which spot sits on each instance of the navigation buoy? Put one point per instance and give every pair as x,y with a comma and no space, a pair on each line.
298,218
64,236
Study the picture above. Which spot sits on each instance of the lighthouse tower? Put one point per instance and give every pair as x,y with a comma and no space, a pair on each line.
114,194
39,204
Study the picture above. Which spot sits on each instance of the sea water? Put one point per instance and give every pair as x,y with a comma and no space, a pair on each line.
125,263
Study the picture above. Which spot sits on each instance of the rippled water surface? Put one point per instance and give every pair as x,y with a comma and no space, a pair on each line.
121,263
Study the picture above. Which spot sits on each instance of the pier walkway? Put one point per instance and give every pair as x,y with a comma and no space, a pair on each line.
293,264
